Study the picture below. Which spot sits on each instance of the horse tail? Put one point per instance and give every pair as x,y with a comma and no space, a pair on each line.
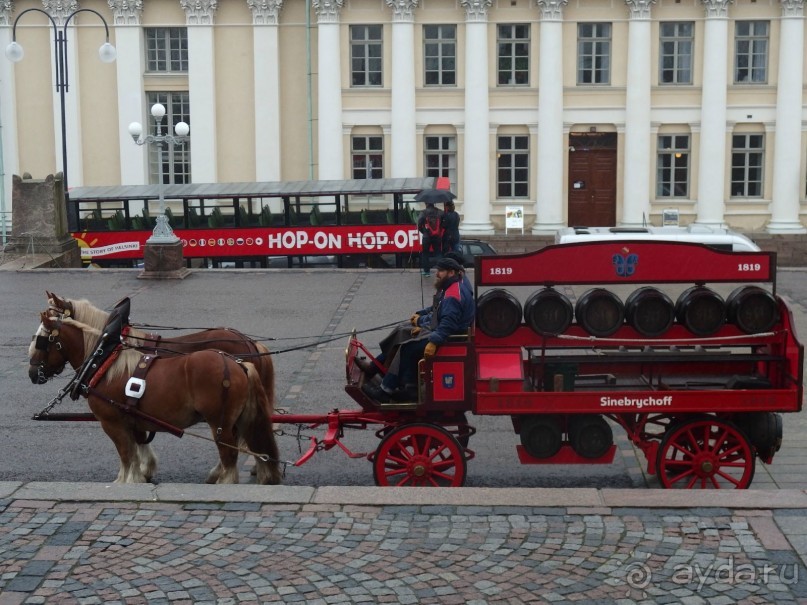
266,369
255,428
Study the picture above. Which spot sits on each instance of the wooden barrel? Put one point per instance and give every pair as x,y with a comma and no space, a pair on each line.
590,435
649,311
548,312
541,435
752,309
764,430
498,313
599,312
701,310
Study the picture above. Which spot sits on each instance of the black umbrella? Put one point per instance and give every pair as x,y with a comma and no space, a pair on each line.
434,196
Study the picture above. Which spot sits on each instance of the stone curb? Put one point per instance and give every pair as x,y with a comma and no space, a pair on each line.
375,496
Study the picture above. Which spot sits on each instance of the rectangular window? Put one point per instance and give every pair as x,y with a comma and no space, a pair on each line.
672,166
440,55
594,53
514,55
513,166
367,154
441,157
747,158
366,55
751,52
176,159
675,52
167,49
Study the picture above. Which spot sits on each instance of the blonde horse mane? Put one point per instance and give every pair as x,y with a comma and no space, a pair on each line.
84,311
127,359
90,315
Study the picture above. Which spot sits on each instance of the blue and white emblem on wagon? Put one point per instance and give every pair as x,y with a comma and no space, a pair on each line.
448,381
625,264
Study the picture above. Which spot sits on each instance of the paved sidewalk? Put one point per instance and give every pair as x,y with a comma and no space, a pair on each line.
97,543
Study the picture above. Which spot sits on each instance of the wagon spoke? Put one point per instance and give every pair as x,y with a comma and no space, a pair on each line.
684,463
727,477
401,460
684,451
681,476
439,454
728,453
427,445
696,447
720,440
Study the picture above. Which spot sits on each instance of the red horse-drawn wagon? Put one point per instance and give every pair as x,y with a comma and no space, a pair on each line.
687,348
698,383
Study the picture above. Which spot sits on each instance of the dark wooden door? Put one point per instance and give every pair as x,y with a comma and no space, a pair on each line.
592,180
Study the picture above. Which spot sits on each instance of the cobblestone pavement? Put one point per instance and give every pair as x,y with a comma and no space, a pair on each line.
154,552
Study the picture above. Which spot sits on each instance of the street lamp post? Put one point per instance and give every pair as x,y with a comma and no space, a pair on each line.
162,233
106,52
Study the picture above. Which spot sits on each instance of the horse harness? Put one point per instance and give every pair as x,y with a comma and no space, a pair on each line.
106,351
136,387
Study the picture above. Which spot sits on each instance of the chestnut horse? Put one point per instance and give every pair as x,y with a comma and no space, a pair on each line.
220,339
180,391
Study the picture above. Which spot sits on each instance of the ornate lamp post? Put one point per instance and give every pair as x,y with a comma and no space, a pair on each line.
107,53
162,233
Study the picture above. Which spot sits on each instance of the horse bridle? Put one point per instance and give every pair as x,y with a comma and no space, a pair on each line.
64,310
44,343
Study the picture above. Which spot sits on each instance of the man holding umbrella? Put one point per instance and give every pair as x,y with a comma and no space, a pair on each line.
430,225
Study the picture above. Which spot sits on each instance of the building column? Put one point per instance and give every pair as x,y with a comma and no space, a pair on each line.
131,97
75,168
712,152
636,193
786,182
266,81
9,158
330,151
199,16
404,144
551,153
476,182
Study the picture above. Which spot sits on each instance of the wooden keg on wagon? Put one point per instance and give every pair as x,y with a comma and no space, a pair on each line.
541,435
649,311
701,310
498,313
752,309
599,312
548,312
590,435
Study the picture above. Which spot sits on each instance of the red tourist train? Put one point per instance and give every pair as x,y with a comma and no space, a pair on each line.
255,222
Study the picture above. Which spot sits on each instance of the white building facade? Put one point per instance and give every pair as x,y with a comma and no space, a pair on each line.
586,112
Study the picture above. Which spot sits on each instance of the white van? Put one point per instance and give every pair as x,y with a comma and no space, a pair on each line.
722,239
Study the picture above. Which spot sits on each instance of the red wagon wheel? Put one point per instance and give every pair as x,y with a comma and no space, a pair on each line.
705,453
419,455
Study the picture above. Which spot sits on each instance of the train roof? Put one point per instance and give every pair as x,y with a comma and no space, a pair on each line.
256,189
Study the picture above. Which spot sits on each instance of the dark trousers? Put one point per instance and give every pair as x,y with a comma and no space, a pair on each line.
432,248
410,354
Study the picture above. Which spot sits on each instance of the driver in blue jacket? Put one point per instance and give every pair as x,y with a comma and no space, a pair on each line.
452,313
